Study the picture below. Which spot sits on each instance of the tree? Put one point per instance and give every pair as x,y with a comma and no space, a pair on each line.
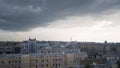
118,64
87,65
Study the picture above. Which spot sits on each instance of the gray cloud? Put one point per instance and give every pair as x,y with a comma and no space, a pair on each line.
22,15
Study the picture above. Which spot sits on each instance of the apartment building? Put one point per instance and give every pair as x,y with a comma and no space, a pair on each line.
10,61
35,55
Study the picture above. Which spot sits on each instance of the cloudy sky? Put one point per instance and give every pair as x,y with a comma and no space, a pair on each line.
83,20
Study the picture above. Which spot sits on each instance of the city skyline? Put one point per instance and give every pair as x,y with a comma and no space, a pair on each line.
59,20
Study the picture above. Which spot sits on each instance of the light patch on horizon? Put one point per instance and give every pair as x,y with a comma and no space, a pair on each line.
78,34
101,25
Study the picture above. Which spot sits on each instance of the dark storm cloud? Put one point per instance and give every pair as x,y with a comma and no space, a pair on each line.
21,15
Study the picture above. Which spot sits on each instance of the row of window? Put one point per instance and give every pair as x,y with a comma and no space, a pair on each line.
12,57
48,60
45,56
54,60
10,62
48,65
50,51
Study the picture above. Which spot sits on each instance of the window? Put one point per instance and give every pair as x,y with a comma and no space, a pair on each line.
16,57
19,61
15,61
18,66
46,65
9,62
19,57
42,60
59,59
41,51
42,65
53,65
58,51
53,60
48,51
2,62
47,60
56,65
36,60
36,66
59,65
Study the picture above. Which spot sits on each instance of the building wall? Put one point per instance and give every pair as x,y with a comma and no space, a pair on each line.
31,61
99,48
25,61
72,59
10,61
46,61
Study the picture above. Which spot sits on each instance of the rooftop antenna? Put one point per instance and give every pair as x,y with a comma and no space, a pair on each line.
71,39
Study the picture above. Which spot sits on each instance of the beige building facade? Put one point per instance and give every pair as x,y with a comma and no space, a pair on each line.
39,60
31,61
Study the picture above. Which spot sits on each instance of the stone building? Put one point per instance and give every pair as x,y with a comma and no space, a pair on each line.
36,55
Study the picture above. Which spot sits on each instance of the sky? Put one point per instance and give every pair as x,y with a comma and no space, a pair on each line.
59,20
